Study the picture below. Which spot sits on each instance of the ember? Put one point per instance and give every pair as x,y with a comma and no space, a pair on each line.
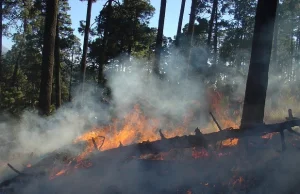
199,153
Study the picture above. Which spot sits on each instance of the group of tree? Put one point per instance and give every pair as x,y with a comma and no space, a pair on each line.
217,44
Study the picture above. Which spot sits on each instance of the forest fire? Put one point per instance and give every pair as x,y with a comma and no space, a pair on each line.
175,99
136,127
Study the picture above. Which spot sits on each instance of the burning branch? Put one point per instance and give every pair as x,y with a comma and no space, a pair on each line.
15,170
200,140
102,141
162,136
219,127
95,144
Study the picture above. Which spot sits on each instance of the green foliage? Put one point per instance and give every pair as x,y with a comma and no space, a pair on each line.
128,26
22,64
129,33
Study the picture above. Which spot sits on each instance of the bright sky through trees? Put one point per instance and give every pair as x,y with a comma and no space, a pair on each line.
78,12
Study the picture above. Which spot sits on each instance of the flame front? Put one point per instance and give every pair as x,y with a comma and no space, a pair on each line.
134,128
221,111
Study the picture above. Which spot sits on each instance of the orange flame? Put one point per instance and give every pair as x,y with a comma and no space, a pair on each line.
135,127
220,110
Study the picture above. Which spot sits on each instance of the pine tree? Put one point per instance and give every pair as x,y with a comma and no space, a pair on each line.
48,57
159,37
257,82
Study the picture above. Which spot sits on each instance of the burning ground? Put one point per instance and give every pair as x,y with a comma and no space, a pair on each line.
84,166
91,148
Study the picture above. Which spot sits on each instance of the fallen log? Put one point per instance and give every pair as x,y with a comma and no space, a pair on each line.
202,140
165,145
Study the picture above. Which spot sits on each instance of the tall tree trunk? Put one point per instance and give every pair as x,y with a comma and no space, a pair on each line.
179,27
275,42
190,34
291,70
103,58
159,37
86,39
215,45
192,19
211,22
71,77
257,81
1,29
48,57
57,68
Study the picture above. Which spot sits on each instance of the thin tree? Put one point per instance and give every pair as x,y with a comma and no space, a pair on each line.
48,57
211,22
57,67
101,79
86,38
1,29
257,81
71,75
215,42
190,32
275,43
159,37
180,23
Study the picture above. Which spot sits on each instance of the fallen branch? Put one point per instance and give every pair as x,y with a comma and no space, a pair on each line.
219,127
95,144
199,140
15,170
102,141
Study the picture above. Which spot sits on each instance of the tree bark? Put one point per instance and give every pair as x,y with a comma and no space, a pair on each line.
211,22
103,60
215,36
159,37
86,39
275,43
57,68
192,19
257,81
179,27
291,68
48,57
1,31
71,77
190,35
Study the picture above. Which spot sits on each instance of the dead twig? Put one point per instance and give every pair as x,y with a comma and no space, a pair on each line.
102,141
290,115
219,127
95,144
15,170
162,136
289,129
